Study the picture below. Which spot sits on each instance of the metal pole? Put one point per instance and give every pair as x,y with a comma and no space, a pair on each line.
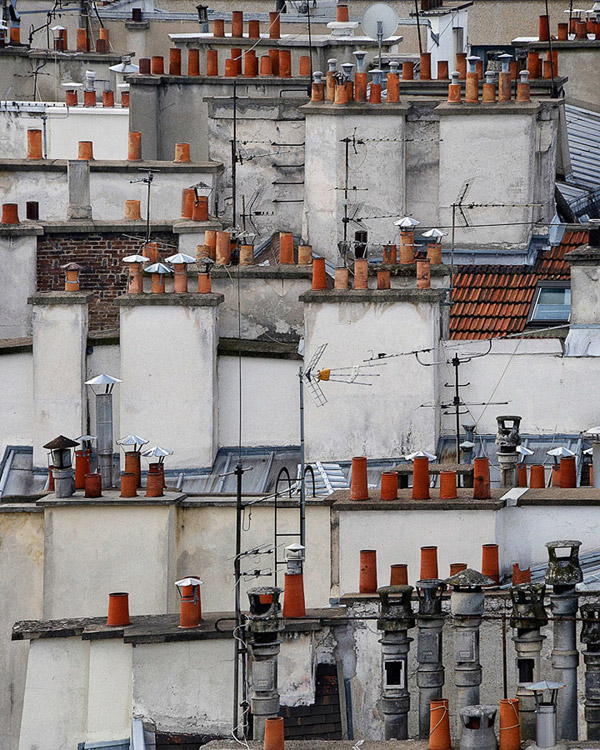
418,27
302,467
234,157
452,252
148,207
238,610
310,49
596,462
455,364
104,432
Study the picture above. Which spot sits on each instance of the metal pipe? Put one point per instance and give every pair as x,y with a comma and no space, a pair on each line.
104,432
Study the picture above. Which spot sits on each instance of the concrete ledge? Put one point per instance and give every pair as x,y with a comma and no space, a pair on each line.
504,108
60,298
408,269
264,272
175,300
585,255
327,108
113,165
111,497
193,227
576,497
71,56
7,506
90,226
556,45
253,348
160,628
380,296
23,229
211,500
15,346
464,501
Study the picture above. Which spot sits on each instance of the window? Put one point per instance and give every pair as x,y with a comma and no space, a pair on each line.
551,304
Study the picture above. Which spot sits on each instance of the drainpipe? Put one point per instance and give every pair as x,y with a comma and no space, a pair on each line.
563,574
507,440
590,635
466,607
265,625
396,618
527,618
430,673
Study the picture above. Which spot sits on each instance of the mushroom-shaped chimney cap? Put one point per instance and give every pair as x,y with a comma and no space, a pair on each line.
158,452
469,578
137,258
125,66
524,451
537,687
72,266
435,234
593,431
60,443
189,581
69,85
560,452
103,380
132,440
466,445
86,438
420,454
157,268
407,222
180,258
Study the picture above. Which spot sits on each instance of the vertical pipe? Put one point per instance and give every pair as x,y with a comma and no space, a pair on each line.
302,482
104,432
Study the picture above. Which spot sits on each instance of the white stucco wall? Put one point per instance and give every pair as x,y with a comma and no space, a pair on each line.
59,342
496,155
383,419
551,393
55,704
169,374
18,264
206,547
16,408
131,549
270,413
109,691
377,170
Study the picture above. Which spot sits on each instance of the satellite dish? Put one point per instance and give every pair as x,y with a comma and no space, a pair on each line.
374,15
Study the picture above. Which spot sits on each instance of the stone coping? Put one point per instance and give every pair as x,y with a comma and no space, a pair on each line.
380,296
280,271
22,229
72,55
408,269
172,299
114,226
161,628
7,506
111,497
464,501
499,108
328,108
185,226
592,44
229,347
229,501
109,165
585,255
553,496
201,39
60,298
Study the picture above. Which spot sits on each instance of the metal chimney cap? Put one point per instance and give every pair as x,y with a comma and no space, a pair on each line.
560,452
435,233
132,440
420,454
360,53
158,452
536,687
524,451
505,56
103,380
157,268
466,445
125,66
593,431
69,85
135,259
60,443
189,581
588,452
180,258
407,222
86,438
58,27
72,266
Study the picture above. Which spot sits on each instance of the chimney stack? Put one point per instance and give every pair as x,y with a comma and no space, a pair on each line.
78,177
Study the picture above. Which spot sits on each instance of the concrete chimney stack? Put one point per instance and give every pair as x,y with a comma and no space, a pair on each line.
78,176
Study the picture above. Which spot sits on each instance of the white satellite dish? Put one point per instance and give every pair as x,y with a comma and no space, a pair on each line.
379,21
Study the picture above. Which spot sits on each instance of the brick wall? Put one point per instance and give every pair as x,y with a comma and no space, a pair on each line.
322,720
101,256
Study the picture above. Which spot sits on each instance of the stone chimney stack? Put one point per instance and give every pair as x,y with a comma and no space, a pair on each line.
584,332
78,174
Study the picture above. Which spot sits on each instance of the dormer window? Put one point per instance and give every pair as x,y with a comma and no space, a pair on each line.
551,304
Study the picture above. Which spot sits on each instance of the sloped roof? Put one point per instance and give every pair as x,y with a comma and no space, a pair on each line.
492,301
582,187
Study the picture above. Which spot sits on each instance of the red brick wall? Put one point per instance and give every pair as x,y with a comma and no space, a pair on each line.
105,274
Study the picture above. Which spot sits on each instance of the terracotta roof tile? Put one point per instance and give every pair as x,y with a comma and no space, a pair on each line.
493,300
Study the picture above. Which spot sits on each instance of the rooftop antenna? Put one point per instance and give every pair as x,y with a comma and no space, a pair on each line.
147,180
418,27
379,21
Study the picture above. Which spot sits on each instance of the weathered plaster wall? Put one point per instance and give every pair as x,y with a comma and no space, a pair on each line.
18,264
383,419
16,407
269,401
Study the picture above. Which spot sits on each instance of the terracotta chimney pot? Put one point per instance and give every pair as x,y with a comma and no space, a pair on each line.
265,67
223,249
489,562
237,24
134,146
132,210
118,609
408,72
93,485
420,488
250,64
439,725
304,66
389,485
537,477
71,98
286,248
144,66
194,62
293,596
219,28
274,56
128,485
82,41
157,65
520,576
200,209
204,286
568,472
34,144
246,255
188,199
423,273
522,475
210,241
481,478
253,29
89,98
447,485
358,482
108,98
443,70
457,567
425,66
86,151
461,65
304,255
544,28
10,213
341,278
429,563
273,739
361,273
274,25
182,152
285,63
319,274
175,62
368,572
399,574
360,87
393,88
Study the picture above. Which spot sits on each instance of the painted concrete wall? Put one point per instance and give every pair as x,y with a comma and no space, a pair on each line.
535,381
383,419
65,126
206,546
269,306
21,562
174,407
131,549
270,413
326,126
108,191
55,694
109,709
16,407
59,343
18,263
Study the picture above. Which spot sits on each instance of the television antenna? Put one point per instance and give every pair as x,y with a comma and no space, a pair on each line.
379,21
147,180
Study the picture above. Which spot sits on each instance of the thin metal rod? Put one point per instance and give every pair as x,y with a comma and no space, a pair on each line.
234,158
418,27
552,71
504,662
148,208
310,49
237,652
302,477
452,251
456,364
